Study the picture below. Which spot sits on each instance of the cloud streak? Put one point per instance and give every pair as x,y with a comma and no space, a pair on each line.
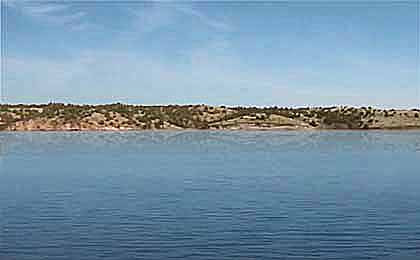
180,52
44,9
158,16
53,13
203,18
207,76
105,77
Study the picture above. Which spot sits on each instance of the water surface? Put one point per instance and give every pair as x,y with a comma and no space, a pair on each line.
210,195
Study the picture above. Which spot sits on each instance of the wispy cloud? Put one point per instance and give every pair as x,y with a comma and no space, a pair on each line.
207,75
203,18
160,15
152,18
102,76
44,9
146,17
51,12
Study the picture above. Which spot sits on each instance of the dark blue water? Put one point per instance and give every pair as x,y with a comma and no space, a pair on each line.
210,195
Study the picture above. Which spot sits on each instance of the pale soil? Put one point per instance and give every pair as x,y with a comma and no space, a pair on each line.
127,118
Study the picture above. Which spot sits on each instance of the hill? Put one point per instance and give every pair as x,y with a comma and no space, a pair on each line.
70,117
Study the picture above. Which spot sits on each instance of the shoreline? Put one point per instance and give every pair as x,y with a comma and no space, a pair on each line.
411,129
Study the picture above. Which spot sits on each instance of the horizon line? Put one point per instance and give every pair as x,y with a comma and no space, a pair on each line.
207,104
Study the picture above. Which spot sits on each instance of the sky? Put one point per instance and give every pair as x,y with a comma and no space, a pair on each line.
289,53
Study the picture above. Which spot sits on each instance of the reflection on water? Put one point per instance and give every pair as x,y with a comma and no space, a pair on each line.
258,140
210,195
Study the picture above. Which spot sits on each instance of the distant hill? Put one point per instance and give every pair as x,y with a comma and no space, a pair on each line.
116,117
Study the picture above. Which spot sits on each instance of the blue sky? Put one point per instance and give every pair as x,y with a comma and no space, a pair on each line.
298,53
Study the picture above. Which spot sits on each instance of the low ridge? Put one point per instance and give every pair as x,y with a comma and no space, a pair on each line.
116,117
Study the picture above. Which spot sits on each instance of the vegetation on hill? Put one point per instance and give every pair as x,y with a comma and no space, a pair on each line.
57,116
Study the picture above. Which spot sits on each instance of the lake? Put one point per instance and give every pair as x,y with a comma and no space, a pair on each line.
210,195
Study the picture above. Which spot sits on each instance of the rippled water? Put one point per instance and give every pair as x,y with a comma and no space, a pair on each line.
210,195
